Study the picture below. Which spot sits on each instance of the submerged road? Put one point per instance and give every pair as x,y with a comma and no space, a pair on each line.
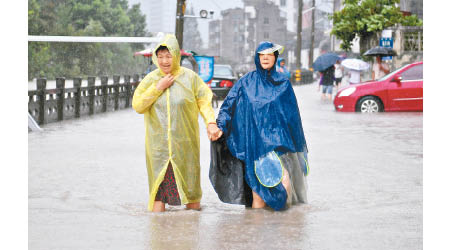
88,188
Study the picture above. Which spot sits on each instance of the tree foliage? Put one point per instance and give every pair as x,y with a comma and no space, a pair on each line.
84,18
363,18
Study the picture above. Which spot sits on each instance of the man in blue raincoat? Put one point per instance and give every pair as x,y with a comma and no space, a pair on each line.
259,116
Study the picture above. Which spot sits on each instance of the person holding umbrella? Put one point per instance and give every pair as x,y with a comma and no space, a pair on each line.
327,82
379,68
355,66
322,64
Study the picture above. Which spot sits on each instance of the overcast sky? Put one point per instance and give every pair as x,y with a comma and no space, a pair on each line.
215,5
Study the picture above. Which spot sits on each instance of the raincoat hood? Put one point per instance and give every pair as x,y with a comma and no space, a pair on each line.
271,75
279,60
170,41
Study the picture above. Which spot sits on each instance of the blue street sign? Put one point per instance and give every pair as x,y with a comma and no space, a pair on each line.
205,67
387,42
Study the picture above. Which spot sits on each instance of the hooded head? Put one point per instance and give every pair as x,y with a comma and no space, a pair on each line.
279,60
171,43
268,48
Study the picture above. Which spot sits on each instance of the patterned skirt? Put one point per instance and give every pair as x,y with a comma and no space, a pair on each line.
168,192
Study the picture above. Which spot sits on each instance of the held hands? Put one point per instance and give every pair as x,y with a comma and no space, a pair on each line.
214,132
165,82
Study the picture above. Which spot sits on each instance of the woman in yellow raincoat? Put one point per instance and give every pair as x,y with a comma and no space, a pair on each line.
171,98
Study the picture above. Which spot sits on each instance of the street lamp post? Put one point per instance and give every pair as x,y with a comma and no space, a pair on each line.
179,25
298,51
181,6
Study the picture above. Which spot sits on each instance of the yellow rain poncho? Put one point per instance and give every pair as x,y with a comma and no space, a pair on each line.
171,125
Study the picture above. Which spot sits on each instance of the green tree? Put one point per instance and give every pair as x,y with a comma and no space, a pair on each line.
363,18
84,18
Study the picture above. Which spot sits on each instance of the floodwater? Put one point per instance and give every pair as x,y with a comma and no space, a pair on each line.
88,188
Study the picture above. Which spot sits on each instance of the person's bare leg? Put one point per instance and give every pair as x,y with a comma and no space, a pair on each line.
258,202
286,182
159,206
195,206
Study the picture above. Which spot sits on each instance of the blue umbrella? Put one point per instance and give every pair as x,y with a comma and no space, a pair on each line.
325,61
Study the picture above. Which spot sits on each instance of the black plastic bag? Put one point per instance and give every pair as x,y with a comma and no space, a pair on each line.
226,174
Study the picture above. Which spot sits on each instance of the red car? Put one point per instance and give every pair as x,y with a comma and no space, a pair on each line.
400,90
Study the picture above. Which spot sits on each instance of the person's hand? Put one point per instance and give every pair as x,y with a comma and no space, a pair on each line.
214,132
165,82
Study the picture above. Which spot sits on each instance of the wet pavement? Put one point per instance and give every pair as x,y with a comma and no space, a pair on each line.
88,188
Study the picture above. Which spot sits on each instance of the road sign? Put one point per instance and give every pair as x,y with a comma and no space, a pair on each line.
205,67
387,42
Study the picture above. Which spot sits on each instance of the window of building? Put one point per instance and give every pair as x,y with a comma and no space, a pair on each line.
266,35
283,3
266,20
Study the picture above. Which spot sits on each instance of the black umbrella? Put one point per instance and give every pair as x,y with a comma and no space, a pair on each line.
380,51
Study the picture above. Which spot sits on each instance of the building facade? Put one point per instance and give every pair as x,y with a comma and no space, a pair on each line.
236,35
414,7
160,15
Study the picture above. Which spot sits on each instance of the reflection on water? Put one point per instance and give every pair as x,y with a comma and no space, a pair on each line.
247,229
174,230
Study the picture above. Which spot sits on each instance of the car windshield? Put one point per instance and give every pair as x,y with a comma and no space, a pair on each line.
391,74
222,70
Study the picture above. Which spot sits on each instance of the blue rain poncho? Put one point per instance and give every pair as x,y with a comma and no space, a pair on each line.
259,115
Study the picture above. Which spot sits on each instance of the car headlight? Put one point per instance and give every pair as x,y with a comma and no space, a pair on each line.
347,92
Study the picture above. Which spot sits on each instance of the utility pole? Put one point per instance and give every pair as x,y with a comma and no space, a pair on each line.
298,50
181,6
311,46
333,38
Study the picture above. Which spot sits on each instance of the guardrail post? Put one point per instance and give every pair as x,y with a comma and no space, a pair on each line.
116,80
61,91
77,86
104,83
41,89
127,90
91,91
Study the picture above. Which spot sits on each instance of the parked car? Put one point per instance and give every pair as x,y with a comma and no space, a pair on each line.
222,81
400,90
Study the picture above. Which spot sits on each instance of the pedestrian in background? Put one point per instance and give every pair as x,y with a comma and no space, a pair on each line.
327,82
379,68
338,73
281,68
260,117
354,76
171,98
